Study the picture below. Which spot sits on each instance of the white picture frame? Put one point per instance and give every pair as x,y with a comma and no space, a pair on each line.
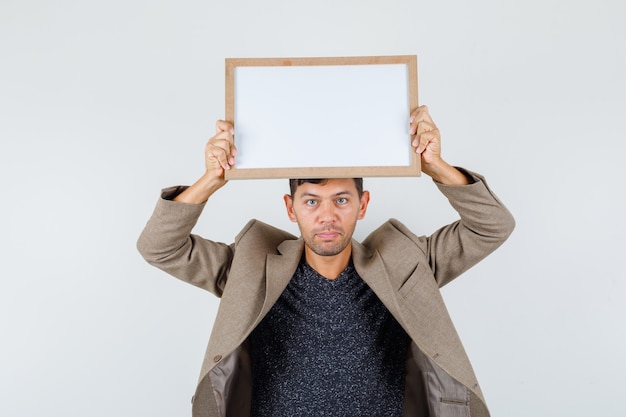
322,117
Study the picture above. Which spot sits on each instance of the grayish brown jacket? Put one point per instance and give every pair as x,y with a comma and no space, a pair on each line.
403,269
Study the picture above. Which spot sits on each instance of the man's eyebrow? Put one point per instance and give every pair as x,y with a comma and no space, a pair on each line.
337,194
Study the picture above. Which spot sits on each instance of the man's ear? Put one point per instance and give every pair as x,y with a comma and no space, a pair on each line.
289,206
365,199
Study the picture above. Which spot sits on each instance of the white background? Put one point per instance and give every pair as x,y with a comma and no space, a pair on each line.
102,103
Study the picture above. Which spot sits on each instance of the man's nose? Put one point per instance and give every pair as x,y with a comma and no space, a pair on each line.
327,212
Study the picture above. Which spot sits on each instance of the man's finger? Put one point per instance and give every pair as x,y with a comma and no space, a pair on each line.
223,126
420,115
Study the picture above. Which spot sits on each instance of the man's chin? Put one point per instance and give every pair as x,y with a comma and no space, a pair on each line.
328,250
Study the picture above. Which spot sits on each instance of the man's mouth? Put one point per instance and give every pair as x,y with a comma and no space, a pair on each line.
327,234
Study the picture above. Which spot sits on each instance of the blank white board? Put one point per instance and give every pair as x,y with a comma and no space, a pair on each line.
322,117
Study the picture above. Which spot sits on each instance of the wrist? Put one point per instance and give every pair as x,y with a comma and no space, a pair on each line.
201,190
444,173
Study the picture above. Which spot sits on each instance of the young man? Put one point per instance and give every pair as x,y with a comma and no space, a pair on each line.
322,324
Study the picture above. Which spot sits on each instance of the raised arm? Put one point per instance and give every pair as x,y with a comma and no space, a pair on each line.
167,243
485,222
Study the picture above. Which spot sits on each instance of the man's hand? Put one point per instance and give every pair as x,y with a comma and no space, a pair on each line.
219,156
220,150
427,142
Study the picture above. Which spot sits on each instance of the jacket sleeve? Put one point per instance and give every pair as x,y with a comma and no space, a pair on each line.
484,224
167,243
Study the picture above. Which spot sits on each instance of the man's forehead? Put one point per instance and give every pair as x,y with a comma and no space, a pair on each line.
329,185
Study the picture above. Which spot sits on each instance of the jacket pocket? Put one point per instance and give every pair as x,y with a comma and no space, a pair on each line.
453,401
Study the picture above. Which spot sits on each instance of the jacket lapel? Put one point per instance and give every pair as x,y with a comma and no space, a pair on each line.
279,270
371,269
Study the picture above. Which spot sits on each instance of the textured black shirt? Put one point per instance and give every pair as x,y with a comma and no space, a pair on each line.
328,348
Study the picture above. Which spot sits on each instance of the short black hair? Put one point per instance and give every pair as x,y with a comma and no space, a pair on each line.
294,183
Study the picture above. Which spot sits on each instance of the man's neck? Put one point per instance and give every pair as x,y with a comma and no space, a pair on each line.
329,267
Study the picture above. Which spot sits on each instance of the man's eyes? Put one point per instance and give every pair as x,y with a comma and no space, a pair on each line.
341,201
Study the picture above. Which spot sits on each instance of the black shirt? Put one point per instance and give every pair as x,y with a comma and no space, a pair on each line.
328,348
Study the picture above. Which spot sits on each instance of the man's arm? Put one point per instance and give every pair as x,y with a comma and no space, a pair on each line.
167,243
485,222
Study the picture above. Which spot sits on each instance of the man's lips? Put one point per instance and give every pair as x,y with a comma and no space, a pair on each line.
327,234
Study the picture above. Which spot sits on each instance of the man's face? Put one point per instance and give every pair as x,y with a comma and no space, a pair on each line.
327,213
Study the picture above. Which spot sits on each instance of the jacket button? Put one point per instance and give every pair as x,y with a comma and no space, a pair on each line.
217,358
